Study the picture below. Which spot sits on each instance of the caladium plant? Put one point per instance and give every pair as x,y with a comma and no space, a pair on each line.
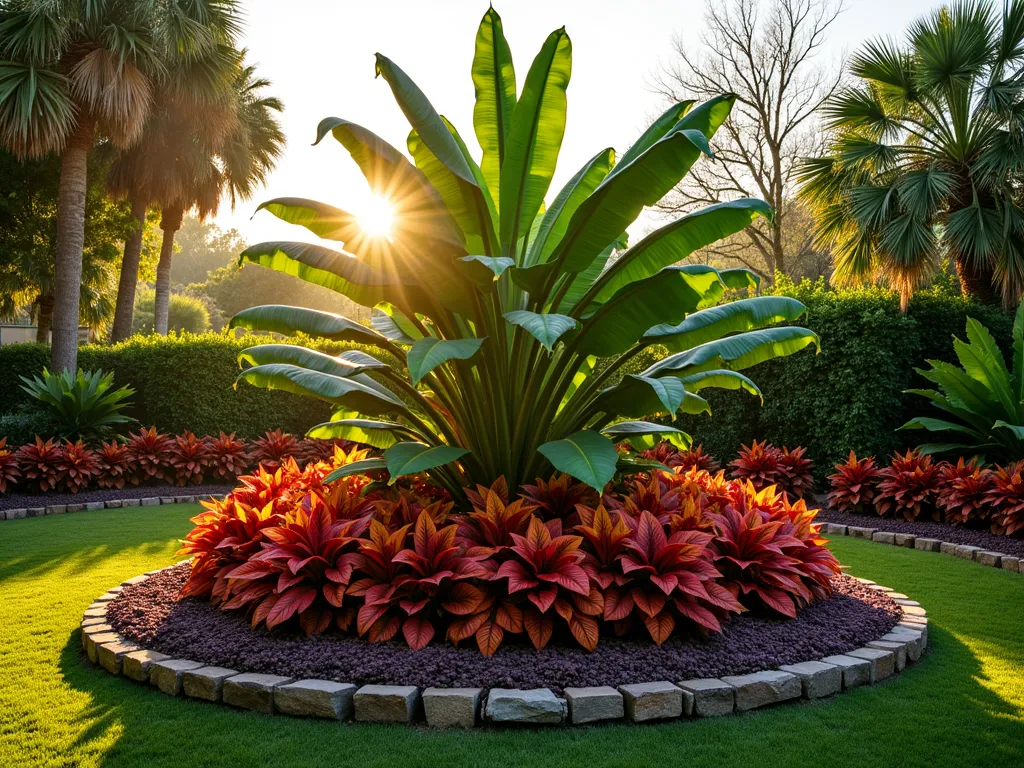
503,304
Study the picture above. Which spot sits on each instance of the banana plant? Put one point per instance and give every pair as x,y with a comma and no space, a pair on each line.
982,402
515,317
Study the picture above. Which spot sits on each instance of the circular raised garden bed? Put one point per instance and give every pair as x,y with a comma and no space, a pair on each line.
140,630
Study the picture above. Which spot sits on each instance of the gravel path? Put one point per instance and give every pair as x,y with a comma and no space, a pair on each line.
26,501
928,530
195,629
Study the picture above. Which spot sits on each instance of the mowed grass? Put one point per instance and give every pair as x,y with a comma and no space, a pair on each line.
963,705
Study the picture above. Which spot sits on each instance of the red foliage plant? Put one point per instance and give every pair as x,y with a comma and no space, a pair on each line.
965,488
40,464
909,486
189,458
273,448
113,467
227,455
76,466
854,484
9,473
795,469
150,453
760,464
1005,498
558,497
695,458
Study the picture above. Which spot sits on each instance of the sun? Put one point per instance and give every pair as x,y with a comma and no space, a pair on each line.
376,216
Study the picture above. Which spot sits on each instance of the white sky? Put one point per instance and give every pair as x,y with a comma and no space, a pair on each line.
320,55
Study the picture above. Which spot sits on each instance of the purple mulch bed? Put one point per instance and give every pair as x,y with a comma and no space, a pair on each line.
927,530
195,629
26,500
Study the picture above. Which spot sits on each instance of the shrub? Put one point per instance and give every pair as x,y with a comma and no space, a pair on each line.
114,467
22,426
854,485
9,473
760,463
909,486
81,405
40,464
796,477
965,487
1006,499
184,313
76,466
229,457
189,458
695,458
150,453
271,449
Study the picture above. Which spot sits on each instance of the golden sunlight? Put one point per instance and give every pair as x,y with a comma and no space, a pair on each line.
376,216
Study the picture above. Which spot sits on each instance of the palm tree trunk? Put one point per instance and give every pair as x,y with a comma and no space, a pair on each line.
975,281
123,314
70,241
45,308
170,222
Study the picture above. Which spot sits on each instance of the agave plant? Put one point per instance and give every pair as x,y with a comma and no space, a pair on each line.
983,402
83,404
506,308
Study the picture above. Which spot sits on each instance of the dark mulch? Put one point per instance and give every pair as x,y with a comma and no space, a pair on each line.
195,629
928,530
28,500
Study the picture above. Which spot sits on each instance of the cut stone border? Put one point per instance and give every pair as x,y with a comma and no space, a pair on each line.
89,506
657,701
977,555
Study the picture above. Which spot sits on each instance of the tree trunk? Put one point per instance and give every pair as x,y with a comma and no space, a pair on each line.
170,222
44,319
975,281
123,314
67,266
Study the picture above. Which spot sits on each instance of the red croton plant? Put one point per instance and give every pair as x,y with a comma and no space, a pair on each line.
669,552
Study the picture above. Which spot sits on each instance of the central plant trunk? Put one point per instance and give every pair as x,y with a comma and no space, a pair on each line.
70,241
170,222
45,317
975,281
123,314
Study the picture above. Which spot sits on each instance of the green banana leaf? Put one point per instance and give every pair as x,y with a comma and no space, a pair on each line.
411,458
378,434
545,328
349,363
494,79
429,352
286,320
348,392
586,455
715,322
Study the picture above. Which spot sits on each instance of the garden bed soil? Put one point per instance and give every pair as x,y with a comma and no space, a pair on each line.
993,542
150,614
27,500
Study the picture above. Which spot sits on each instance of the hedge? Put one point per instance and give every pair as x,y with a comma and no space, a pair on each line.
180,381
850,396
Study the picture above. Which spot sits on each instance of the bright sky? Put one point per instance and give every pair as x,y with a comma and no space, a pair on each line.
320,54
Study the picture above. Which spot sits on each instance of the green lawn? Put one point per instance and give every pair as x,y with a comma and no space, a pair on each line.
963,705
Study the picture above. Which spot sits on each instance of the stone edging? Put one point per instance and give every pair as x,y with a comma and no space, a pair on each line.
88,506
468,707
979,555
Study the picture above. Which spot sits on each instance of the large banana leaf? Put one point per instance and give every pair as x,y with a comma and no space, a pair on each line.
720,379
494,79
586,455
348,392
545,328
677,241
534,138
349,363
666,122
644,435
715,322
321,219
635,397
735,352
378,434
428,353
280,318
413,458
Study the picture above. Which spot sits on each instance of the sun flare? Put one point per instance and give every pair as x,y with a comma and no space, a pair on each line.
376,217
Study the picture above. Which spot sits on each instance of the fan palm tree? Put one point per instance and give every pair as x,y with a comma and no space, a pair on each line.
70,69
201,156
925,155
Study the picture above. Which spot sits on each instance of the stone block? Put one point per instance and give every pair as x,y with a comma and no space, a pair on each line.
17,514
903,601
708,697
990,559
884,537
652,701
131,502
537,706
912,641
152,501
134,580
763,688
56,509
896,647
35,511
1008,563
110,655
112,504
205,682
74,507
136,664
184,499
947,547
835,529
168,500
93,641
589,705
856,671
860,533
166,674
879,588
92,506
452,707
386,703
966,551
915,627
95,611
817,679
315,698
906,540
913,610
883,663
252,691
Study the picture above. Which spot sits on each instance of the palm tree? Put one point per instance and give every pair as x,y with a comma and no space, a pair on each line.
70,69
925,155
198,162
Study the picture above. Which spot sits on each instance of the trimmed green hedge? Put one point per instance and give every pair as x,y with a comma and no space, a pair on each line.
851,395
181,382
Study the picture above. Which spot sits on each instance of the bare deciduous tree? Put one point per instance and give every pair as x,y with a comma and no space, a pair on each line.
766,54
